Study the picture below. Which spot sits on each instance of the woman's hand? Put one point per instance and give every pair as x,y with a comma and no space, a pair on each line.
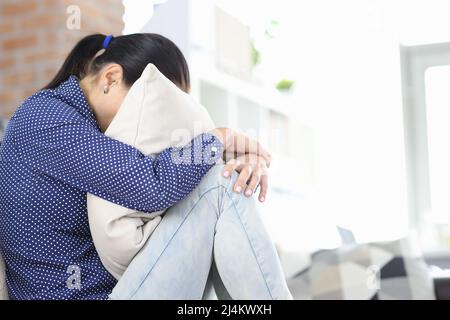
252,171
248,158
237,144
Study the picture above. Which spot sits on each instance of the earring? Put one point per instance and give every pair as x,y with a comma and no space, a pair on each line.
105,89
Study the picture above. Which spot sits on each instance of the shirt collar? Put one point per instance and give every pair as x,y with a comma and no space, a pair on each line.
71,92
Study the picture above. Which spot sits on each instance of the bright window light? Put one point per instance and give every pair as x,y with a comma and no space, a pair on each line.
137,14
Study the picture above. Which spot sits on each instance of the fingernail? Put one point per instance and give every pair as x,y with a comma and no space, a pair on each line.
262,199
238,189
248,192
226,174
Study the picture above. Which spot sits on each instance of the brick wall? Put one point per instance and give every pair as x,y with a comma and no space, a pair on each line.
36,35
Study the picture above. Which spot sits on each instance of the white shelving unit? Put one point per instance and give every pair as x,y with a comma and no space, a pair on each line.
201,31
263,113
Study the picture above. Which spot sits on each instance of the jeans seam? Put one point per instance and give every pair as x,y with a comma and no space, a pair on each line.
171,238
251,245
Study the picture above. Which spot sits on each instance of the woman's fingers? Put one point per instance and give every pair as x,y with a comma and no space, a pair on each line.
231,165
259,176
253,171
254,181
242,179
264,186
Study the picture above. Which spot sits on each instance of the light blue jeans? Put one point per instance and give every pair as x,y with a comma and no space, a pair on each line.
214,238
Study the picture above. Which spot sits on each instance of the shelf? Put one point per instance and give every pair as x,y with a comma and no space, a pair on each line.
267,98
262,113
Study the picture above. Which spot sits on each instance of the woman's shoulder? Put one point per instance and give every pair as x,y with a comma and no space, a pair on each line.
43,106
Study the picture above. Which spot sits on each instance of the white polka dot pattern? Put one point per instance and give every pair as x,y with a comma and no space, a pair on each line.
53,153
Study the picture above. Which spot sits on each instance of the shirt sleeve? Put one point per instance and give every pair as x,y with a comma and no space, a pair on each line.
63,145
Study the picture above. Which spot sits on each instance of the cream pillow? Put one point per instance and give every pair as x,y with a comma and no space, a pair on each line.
153,116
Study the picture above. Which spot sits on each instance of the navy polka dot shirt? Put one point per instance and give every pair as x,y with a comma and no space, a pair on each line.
52,154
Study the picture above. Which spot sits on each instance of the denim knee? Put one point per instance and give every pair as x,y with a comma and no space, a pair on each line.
214,178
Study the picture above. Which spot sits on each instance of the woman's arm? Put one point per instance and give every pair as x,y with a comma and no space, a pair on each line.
64,145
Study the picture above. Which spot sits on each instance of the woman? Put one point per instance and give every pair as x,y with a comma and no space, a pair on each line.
54,153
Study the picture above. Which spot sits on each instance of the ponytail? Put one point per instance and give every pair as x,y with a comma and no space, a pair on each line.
132,52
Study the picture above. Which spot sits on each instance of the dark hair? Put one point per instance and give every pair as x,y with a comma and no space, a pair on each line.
132,52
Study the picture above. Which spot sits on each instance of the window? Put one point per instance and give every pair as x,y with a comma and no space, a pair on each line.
437,84
426,77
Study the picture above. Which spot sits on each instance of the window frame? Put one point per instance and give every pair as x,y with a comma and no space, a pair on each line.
415,60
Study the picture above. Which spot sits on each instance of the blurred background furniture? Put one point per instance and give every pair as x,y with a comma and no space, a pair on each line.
389,270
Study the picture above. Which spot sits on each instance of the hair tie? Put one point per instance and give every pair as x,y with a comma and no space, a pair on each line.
107,40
